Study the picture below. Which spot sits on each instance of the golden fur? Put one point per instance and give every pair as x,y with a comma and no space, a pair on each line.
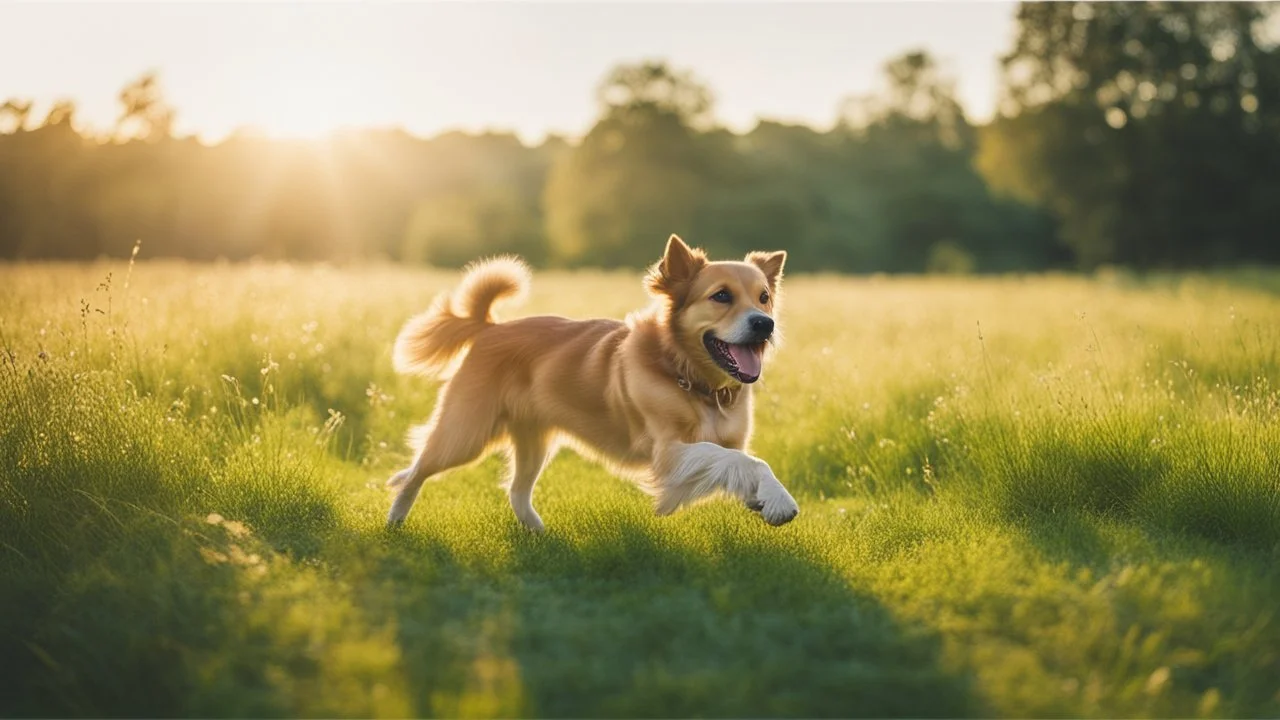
645,395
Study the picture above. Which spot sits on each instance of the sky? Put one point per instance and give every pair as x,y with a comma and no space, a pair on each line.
302,69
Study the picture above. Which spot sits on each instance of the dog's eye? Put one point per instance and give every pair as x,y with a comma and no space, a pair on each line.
764,298
722,296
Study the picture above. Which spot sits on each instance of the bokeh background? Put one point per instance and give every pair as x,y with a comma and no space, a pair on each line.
863,137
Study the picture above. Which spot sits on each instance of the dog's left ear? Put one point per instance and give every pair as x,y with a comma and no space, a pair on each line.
677,267
770,263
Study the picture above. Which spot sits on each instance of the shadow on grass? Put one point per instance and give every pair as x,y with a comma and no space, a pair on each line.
124,595
1204,605
629,622
1215,484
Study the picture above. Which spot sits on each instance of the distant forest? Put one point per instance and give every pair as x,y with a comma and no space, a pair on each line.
1144,135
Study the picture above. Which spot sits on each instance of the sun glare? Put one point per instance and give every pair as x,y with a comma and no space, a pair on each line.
304,98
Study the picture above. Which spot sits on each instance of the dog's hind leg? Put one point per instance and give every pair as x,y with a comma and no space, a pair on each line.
529,453
457,435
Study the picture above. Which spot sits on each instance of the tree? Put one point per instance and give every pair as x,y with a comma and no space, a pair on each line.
14,114
1152,131
891,188
798,188
62,111
917,95
911,148
144,114
454,229
653,88
641,173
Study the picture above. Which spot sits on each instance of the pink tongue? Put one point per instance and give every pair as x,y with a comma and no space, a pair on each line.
747,358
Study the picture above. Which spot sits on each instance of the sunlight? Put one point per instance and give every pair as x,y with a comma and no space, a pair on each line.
300,97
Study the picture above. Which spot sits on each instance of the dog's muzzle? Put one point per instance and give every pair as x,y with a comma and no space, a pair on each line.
759,327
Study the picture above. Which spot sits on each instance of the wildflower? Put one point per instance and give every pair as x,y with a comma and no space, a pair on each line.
213,557
235,528
1158,680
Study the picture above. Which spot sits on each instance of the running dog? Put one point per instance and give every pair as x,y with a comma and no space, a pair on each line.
664,395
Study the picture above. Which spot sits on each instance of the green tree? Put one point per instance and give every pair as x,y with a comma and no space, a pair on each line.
642,172
891,188
454,229
653,88
1152,131
799,188
911,148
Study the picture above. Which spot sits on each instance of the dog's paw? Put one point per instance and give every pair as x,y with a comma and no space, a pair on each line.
530,521
400,509
776,504
397,481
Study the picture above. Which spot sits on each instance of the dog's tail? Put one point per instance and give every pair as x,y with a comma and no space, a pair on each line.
429,341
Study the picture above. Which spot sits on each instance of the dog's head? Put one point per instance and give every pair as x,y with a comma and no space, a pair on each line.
720,313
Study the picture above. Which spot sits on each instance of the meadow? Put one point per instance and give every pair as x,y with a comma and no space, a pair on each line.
1020,496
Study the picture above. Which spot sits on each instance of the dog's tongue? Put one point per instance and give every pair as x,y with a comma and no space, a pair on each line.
747,358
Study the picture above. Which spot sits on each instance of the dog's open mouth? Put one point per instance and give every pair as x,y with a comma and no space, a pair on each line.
742,362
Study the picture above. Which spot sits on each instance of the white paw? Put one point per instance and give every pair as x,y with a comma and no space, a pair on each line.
399,479
401,506
529,518
394,519
776,504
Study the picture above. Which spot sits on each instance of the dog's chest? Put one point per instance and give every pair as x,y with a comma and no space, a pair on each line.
725,428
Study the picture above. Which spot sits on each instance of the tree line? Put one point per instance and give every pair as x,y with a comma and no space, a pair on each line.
1137,134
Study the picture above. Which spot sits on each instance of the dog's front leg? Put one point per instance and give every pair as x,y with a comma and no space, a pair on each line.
685,472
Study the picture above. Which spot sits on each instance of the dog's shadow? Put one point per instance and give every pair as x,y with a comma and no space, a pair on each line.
629,620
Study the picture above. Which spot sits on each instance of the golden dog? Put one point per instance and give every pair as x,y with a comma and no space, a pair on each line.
665,394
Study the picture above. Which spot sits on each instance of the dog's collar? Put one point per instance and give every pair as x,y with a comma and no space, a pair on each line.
723,397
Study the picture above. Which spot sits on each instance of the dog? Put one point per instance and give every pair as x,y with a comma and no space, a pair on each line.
664,396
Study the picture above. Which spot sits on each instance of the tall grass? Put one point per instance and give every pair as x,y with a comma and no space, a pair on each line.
1021,496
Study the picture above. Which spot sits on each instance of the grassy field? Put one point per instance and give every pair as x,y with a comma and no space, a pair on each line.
1020,497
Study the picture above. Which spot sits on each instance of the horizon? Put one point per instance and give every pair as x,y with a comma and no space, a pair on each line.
306,70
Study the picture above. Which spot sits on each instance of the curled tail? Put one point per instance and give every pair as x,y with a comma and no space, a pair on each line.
429,341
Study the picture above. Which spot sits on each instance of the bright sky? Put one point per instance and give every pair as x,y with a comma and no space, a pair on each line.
301,69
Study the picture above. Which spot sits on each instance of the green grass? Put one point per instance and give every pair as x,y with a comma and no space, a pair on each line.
1041,496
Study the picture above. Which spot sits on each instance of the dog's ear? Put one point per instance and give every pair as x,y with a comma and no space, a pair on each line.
679,264
770,263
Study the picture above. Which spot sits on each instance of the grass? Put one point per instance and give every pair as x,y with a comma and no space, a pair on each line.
1042,496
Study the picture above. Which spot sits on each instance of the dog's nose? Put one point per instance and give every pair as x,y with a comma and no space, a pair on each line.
762,326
